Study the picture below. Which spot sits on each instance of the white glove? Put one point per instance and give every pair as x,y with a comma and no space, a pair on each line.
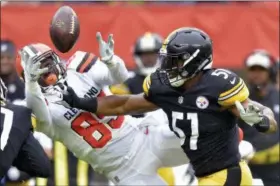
251,115
106,50
31,67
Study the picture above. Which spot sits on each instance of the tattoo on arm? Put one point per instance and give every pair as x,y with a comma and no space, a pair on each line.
268,113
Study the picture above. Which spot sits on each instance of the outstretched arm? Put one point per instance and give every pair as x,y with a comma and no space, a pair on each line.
110,105
35,101
257,115
123,104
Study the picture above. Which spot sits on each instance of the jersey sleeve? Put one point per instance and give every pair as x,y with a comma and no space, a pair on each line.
155,91
233,89
81,61
99,72
36,102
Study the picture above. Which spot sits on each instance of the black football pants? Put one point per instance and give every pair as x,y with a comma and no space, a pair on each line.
24,152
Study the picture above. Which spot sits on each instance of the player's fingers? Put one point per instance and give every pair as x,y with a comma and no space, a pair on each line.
110,38
99,37
70,91
256,109
239,107
111,41
43,70
252,108
22,55
37,65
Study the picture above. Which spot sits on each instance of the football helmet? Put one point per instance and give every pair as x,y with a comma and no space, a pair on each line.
145,53
184,53
261,58
48,58
3,91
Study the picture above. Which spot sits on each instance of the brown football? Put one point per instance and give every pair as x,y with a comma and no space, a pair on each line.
64,29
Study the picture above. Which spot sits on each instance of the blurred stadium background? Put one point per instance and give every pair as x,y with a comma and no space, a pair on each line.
237,28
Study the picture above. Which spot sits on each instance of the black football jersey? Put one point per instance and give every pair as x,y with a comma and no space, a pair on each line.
198,116
14,116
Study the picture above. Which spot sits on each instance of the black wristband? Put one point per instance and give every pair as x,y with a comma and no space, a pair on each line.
87,104
263,126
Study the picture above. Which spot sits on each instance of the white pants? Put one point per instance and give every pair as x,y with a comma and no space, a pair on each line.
155,146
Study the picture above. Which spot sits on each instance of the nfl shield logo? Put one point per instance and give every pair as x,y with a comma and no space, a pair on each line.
180,99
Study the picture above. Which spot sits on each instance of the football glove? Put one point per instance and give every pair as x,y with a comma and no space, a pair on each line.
31,67
106,50
251,115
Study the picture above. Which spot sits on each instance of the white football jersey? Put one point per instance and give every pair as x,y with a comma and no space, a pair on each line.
90,137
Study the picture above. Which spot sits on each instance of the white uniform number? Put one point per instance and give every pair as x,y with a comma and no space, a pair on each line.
8,116
221,72
194,128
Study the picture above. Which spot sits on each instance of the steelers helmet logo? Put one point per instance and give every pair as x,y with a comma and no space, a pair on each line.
202,102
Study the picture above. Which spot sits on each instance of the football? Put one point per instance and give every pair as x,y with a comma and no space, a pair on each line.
64,29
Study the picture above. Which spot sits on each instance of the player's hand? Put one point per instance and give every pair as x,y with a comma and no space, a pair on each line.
31,67
106,50
70,97
251,115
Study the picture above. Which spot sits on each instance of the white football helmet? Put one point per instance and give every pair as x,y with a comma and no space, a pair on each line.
48,58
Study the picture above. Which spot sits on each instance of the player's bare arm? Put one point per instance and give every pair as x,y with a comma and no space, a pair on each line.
124,104
110,105
235,98
267,121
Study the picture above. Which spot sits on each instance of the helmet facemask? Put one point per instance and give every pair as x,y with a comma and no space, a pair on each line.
182,67
56,70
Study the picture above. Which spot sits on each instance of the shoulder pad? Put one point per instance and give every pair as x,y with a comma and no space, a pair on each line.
81,61
231,87
147,84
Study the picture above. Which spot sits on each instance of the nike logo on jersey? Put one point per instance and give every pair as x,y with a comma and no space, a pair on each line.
233,81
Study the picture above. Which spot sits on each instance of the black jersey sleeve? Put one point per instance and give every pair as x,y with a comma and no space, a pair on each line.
15,128
155,91
231,87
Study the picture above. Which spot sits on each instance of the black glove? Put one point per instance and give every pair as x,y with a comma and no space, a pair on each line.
70,97
87,104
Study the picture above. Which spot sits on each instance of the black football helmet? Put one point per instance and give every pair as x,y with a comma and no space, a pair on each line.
3,91
184,53
145,53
